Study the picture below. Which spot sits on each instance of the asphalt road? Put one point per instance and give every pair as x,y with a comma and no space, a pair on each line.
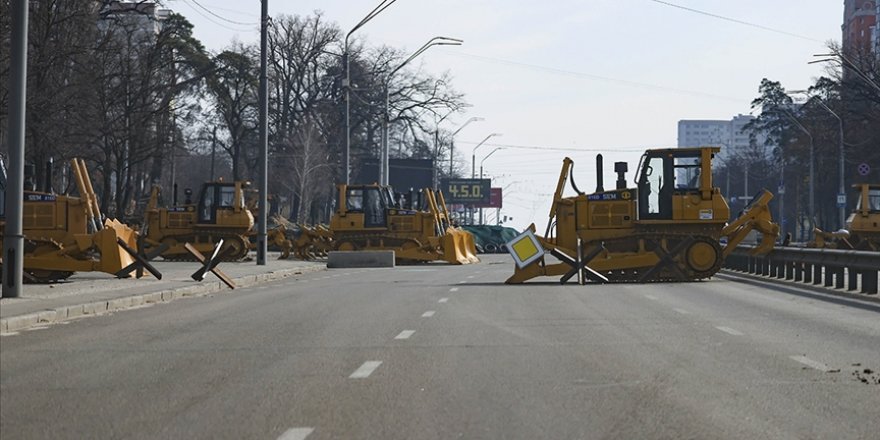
436,351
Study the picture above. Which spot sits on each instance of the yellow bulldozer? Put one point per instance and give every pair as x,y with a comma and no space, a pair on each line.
862,227
64,234
218,213
669,228
370,217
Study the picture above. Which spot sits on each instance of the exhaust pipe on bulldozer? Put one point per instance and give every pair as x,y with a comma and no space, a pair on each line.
600,187
621,168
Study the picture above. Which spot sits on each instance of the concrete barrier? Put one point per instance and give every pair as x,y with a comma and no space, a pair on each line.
349,259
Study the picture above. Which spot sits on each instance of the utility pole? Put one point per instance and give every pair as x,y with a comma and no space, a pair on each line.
264,137
13,240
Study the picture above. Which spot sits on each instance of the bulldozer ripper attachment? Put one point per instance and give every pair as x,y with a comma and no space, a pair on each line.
755,217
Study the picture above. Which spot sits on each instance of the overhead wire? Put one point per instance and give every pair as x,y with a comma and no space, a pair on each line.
591,76
208,17
222,17
735,20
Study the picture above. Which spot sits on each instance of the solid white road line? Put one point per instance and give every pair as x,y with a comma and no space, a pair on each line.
428,314
651,297
454,289
730,331
365,370
810,363
443,300
682,311
405,334
296,434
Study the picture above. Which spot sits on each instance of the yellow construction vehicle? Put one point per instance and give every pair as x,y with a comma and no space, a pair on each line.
862,227
65,234
219,213
368,217
669,228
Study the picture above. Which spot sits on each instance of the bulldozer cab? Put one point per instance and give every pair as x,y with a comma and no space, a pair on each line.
219,196
869,198
669,174
372,201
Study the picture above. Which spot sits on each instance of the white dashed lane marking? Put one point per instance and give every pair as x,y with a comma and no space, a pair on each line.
730,331
454,289
296,434
365,370
651,297
810,363
443,300
405,334
682,311
428,314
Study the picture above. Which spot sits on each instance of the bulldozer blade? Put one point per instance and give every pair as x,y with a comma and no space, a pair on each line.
113,257
458,247
452,249
470,246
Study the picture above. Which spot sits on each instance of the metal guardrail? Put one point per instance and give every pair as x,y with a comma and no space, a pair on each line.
853,270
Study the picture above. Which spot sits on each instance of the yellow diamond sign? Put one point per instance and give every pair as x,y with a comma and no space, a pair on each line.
525,249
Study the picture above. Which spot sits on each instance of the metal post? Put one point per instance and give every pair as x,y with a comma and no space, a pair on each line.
812,193
264,137
841,190
346,84
383,165
782,193
13,240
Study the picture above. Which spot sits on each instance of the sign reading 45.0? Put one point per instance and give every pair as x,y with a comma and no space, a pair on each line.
466,191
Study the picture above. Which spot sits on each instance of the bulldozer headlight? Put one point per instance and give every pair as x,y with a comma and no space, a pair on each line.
525,249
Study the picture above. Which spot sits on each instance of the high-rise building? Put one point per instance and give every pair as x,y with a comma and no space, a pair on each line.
727,134
860,18
877,31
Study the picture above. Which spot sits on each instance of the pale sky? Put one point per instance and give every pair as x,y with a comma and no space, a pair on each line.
585,75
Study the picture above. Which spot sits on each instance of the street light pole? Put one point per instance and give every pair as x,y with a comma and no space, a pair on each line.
474,154
346,85
841,188
383,166
13,240
481,175
452,141
811,207
264,137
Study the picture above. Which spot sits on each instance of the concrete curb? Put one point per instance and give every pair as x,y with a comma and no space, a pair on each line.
28,320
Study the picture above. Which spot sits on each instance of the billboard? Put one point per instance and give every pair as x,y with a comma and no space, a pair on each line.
404,174
494,199
466,191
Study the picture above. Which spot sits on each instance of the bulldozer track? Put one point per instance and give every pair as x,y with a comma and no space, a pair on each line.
37,246
681,261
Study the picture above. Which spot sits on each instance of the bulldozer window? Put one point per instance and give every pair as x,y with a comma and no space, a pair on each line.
654,174
656,188
374,209
687,173
354,200
227,196
873,201
206,206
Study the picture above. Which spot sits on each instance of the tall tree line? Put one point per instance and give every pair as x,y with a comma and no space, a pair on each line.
145,103
793,121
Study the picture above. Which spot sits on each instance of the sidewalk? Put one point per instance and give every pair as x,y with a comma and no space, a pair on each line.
93,293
